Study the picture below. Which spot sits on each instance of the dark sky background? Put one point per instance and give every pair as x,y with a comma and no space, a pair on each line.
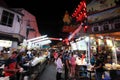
49,13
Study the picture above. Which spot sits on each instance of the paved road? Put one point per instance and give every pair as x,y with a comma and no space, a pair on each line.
49,73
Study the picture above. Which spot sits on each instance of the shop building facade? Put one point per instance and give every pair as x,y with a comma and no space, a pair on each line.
15,26
104,29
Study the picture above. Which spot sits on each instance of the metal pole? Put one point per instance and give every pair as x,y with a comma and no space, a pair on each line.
88,49
114,51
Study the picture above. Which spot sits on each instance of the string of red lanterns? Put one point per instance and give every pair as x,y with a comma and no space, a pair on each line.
80,14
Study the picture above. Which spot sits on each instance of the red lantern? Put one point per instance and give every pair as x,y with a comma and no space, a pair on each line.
85,28
66,41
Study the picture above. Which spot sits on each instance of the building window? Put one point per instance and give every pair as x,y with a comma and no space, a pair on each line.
106,27
117,26
7,18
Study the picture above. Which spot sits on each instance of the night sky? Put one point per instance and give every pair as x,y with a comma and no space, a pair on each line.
49,13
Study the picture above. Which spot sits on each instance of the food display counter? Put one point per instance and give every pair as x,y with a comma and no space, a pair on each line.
112,66
81,71
81,68
35,67
112,71
90,72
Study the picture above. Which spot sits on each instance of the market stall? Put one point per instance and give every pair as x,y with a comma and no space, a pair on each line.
35,66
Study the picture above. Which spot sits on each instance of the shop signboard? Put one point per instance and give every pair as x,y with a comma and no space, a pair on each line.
81,45
5,43
100,5
111,13
73,46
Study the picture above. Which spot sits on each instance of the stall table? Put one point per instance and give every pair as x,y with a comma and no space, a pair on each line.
81,71
90,73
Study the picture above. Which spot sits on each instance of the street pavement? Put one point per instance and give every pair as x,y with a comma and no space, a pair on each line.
49,73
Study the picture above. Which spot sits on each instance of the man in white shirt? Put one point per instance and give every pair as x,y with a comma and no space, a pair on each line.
59,67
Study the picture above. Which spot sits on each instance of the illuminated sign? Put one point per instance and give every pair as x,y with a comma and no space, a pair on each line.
73,46
5,43
81,45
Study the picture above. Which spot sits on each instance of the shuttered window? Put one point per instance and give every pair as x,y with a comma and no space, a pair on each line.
7,18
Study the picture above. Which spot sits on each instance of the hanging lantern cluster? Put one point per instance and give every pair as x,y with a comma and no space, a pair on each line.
80,13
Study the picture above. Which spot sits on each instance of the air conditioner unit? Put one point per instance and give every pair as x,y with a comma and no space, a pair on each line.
96,29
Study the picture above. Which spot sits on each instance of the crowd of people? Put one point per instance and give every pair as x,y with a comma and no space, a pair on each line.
69,60
18,61
66,62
